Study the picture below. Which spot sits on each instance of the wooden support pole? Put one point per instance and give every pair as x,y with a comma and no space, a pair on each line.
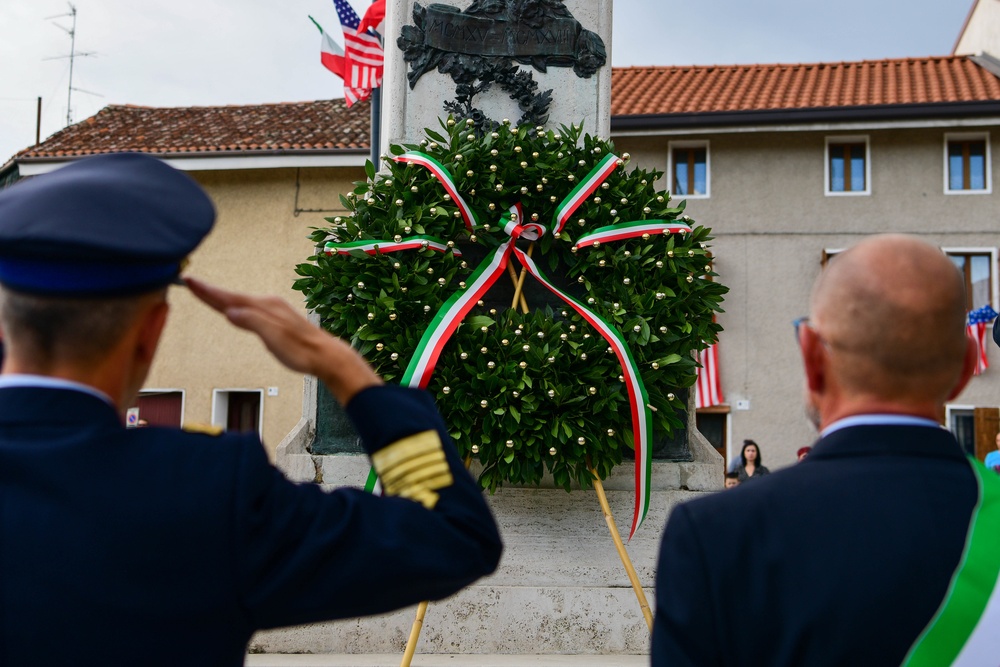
520,281
640,594
418,622
513,277
411,643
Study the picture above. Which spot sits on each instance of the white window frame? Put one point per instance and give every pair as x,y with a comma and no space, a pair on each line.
966,136
847,139
156,390
708,167
994,279
220,406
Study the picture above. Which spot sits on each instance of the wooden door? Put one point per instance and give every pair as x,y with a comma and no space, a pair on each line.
987,427
162,409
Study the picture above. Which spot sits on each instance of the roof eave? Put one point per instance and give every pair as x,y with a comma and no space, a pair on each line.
221,159
875,112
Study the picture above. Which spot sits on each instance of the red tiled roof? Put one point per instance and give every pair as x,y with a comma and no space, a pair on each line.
735,88
635,91
252,129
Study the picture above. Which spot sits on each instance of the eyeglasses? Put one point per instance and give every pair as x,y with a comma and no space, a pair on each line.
798,323
801,322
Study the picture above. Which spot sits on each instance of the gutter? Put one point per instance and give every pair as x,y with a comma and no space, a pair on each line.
220,160
876,112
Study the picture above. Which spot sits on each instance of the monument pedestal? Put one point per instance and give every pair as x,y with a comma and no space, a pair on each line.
560,587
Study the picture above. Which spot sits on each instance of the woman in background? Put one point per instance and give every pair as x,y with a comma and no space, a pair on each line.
751,465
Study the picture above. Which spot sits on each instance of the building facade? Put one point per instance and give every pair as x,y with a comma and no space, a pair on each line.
788,164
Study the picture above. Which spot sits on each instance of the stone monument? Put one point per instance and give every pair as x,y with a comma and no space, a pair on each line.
561,588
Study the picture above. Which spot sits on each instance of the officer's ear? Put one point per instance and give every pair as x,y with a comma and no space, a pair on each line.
152,321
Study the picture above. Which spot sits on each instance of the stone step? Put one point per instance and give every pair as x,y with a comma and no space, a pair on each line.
445,660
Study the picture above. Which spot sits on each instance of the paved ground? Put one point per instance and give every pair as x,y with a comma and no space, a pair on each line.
287,660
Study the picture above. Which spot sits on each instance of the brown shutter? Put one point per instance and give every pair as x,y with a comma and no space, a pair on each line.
987,426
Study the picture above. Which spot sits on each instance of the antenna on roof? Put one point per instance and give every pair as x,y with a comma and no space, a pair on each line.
73,53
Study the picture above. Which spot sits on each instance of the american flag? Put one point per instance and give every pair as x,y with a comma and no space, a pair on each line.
979,319
708,387
363,56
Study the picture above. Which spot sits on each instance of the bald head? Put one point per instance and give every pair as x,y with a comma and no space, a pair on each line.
891,310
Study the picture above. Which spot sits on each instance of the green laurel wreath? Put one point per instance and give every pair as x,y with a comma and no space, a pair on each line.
524,393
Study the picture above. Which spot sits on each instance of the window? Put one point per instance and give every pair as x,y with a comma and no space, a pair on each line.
689,169
238,409
847,171
977,267
967,164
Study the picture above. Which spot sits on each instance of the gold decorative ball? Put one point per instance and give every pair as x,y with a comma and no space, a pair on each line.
552,451
475,449
483,350
483,403
464,355
670,397
655,365
690,279
392,316
445,390
379,346
394,356
551,393
510,444
581,440
523,365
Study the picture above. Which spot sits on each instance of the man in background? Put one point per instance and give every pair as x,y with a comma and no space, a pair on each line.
848,557
157,547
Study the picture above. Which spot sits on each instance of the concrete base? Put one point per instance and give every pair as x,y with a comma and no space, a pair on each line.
392,660
560,588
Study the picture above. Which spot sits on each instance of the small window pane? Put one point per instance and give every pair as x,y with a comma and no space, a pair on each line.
680,176
857,173
977,166
836,168
955,173
980,280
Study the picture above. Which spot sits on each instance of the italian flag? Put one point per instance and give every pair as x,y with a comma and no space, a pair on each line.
331,55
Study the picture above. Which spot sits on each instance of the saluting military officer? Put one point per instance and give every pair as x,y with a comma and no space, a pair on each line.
159,547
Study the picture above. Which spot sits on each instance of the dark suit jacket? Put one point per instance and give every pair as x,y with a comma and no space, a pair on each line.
841,559
158,547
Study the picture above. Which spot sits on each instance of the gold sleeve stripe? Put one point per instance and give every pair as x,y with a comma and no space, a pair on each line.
414,467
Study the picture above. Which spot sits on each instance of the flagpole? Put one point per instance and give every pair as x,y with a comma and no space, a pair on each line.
376,128
376,125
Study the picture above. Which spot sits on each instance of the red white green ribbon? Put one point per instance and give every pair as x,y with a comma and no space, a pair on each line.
628,230
642,421
442,174
965,632
584,189
382,247
450,315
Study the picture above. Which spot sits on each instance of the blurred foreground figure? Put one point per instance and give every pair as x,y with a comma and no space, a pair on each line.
882,547
157,547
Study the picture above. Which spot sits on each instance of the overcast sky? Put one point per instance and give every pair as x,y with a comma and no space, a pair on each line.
216,52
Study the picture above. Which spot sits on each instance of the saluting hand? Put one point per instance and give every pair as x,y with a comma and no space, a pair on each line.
292,339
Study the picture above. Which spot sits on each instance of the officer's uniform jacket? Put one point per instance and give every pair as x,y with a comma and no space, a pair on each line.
158,547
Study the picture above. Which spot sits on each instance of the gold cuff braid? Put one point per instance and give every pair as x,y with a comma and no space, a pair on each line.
414,467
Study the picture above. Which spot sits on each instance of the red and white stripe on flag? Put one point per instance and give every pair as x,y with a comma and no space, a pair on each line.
978,321
363,63
977,332
708,387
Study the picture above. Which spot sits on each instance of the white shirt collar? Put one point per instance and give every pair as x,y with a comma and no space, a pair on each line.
878,420
47,382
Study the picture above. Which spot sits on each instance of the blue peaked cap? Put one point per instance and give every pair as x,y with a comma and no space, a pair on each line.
111,225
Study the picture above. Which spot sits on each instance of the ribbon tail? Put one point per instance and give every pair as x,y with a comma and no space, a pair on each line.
450,315
642,421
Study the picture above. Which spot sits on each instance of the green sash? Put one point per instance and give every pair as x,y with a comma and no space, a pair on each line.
965,631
